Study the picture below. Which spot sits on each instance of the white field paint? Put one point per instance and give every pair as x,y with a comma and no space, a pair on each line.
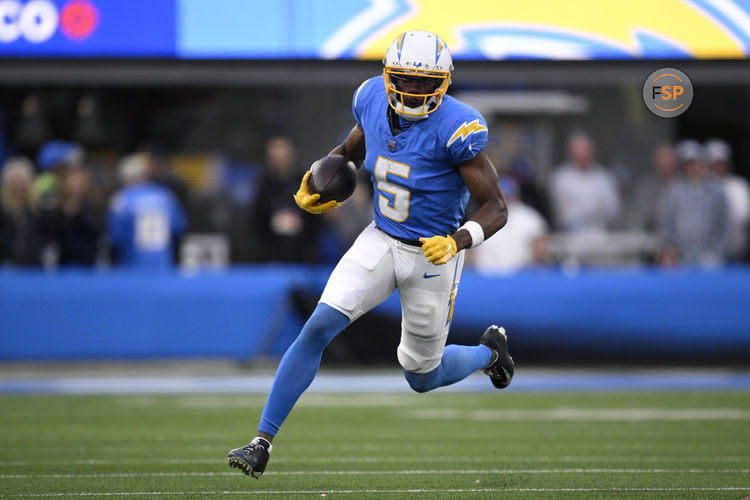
379,473
370,491
368,460
579,414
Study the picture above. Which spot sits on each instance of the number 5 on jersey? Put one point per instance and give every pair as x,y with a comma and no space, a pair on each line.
398,208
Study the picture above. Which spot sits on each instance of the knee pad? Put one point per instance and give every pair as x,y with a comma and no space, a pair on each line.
412,362
421,338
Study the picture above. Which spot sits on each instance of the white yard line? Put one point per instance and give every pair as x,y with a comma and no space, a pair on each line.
390,382
373,491
379,473
579,414
357,459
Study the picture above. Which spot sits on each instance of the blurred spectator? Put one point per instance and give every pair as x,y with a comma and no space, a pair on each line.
161,172
52,160
145,219
650,191
522,242
4,146
75,227
343,226
90,126
735,189
20,227
33,127
523,171
583,195
693,224
285,233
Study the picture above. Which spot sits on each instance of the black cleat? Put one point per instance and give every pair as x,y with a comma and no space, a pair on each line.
500,369
251,459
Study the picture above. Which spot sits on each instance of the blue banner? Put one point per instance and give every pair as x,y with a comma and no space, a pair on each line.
87,28
247,312
363,29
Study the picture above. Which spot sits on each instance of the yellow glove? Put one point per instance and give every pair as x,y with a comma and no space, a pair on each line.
439,249
307,201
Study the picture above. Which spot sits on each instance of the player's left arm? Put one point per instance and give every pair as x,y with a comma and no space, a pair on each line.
480,178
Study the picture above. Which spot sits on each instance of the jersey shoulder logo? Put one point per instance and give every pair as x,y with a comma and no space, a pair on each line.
465,130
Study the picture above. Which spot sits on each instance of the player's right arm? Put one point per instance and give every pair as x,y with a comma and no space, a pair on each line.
353,146
308,201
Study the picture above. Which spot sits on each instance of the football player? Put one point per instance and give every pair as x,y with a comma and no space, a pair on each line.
424,151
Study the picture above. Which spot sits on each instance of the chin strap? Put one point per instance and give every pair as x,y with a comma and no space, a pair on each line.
413,117
409,117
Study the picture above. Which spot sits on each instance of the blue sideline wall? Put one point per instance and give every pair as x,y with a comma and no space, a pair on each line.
246,312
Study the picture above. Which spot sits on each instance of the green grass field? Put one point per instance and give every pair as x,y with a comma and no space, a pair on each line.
449,445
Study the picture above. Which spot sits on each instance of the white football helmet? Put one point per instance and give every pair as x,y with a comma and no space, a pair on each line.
417,73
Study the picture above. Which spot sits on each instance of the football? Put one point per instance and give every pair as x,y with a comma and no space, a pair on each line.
333,177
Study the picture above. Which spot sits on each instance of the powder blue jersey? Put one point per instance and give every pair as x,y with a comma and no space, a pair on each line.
143,222
418,189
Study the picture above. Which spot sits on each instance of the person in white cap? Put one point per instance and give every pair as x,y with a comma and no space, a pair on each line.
737,191
693,223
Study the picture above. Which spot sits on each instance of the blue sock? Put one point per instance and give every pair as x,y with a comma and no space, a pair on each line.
300,364
459,361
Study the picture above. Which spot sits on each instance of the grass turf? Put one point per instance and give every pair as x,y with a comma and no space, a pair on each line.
440,445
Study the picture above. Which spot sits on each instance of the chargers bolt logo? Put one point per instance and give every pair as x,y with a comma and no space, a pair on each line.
667,92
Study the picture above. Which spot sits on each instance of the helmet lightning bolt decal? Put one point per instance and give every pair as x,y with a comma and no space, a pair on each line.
465,130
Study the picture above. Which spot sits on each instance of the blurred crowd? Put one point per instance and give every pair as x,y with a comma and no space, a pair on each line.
690,209
59,210
53,213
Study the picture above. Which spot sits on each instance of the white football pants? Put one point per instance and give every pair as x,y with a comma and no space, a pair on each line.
378,264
